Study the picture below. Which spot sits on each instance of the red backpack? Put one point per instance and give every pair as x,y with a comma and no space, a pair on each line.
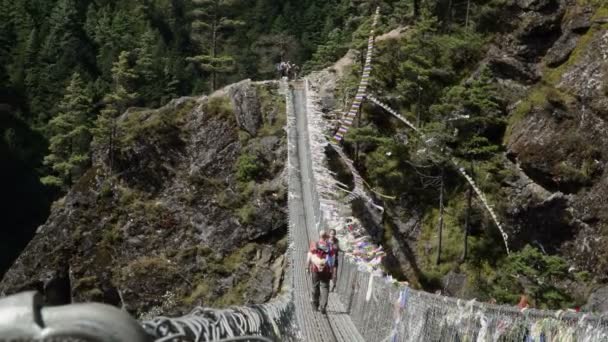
325,252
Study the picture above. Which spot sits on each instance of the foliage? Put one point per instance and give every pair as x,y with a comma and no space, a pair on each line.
476,114
70,138
219,106
121,96
218,268
249,167
246,213
209,28
534,273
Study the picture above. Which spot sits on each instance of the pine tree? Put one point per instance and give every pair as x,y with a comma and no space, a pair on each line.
69,142
59,54
147,69
211,24
6,40
117,101
170,82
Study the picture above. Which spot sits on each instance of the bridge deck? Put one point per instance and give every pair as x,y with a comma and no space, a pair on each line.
336,325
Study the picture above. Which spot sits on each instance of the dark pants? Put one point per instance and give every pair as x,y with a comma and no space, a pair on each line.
320,283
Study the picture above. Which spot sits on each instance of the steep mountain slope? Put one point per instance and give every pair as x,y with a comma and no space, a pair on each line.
533,92
195,213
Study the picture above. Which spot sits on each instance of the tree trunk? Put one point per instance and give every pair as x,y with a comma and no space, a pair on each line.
467,222
213,54
449,16
416,8
111,147
418,106
466,21
440,219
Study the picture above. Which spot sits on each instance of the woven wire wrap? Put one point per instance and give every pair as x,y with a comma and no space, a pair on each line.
203,324
423,316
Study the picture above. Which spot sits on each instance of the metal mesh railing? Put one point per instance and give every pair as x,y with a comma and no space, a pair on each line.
384,311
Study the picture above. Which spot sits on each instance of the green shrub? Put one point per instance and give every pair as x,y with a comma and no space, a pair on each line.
111,236
534,273
106,190
247,213
248,167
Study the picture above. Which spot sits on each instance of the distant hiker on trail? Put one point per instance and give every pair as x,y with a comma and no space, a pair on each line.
333,240
278,67
288,69
282,67
293,71
320,263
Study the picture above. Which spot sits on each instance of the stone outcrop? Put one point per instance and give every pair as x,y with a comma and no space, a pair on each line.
246,103
172,226
598,301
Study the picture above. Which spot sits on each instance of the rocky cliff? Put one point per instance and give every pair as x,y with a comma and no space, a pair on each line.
192,213
556,135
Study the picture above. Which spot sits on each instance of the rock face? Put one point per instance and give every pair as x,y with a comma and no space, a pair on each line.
559,144
181,220
245,100
598,301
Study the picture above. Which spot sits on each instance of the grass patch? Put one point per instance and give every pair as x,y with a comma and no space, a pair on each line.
111,236
542,95
154,123
219,268
141,268
246,213
219,106
591,3
553,76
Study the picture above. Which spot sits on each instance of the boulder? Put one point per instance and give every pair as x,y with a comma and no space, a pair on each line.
598,301
508,67
246,104
581,20
561,50
535,5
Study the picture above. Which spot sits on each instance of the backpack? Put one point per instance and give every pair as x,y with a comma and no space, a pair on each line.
323,256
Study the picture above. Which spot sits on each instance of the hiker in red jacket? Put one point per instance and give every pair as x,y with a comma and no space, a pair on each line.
320,261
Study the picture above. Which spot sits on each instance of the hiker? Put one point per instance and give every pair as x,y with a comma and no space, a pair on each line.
288,69
333,240
317,264
296,69
279,69
282,69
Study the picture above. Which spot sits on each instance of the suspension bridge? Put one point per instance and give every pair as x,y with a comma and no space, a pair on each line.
364,306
